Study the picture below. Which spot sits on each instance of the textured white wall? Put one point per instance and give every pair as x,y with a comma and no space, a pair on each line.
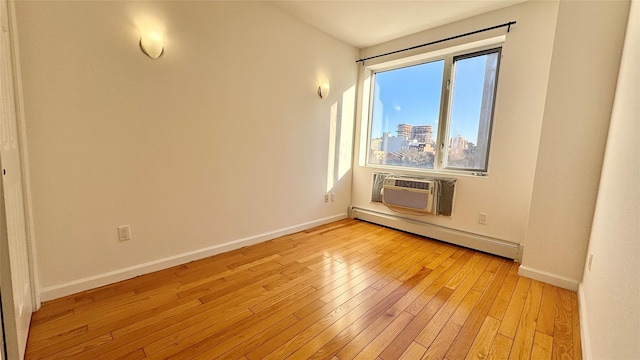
222,138
505,194
610,291
582,80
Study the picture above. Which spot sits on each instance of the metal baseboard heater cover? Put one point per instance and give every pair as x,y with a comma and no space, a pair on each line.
457,237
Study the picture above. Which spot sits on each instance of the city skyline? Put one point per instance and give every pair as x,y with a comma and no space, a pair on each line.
412,95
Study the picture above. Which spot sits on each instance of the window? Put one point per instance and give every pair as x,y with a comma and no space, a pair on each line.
435,115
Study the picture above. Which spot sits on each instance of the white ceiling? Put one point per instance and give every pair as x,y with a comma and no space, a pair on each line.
363,23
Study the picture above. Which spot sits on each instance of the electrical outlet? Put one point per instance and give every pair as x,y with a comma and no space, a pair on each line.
326,198
482,218
590,261
124,232
333,197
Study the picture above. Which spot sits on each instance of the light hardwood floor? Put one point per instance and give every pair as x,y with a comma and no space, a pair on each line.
345,290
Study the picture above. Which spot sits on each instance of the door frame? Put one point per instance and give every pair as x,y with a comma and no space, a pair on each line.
24,155
11,341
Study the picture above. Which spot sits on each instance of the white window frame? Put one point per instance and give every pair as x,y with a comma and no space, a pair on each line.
448,55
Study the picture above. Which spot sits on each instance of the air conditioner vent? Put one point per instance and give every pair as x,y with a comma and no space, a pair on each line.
412,184
401,193
416,195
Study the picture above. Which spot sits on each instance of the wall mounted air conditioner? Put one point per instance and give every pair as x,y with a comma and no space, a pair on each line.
415,195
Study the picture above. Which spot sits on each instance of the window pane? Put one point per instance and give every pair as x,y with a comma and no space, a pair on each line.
405,113
474,86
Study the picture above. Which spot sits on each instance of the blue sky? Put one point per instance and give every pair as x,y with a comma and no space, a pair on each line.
411,95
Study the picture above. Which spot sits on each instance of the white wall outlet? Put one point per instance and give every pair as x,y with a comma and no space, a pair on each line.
326,198
124,232
590,261
482,218
333,197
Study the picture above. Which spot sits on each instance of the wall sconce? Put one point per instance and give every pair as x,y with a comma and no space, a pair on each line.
323,89
152,43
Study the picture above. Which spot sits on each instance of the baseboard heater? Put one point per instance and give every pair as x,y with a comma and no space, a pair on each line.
457,237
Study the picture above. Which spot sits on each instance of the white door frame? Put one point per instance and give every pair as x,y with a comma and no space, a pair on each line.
24,156
12,338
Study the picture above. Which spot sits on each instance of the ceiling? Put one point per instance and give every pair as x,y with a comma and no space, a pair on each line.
363,23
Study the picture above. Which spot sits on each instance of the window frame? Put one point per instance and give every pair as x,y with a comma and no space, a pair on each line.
468,55
441,148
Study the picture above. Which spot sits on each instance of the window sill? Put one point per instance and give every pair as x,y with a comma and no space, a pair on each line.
428,172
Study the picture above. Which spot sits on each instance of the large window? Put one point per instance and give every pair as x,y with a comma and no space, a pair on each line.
435,115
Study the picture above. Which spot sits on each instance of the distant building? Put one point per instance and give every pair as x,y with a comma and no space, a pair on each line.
404,130
389,149
378,156
457,147
486,109
375,144
417,146
392,144
429,148
422,133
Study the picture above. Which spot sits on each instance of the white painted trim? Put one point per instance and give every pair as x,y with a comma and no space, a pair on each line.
548,278
474,241
24,157
91,282
584,324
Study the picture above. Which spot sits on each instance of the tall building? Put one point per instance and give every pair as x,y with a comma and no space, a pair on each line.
486,107
457,146
404,130
375,144
422,133
393,144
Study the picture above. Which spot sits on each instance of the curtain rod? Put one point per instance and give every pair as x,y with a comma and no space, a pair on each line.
508,25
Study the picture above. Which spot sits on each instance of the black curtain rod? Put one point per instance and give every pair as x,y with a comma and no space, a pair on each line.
508,25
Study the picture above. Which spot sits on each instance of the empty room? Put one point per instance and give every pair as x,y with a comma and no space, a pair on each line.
320,179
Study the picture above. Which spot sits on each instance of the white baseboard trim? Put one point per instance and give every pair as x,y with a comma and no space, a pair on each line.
548,278
470,240
92,282
584,322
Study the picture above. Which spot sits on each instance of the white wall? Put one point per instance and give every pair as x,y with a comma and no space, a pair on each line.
582,80
223,139
610,290
505,194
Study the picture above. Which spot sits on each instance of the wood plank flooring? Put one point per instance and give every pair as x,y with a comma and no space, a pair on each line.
346,290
